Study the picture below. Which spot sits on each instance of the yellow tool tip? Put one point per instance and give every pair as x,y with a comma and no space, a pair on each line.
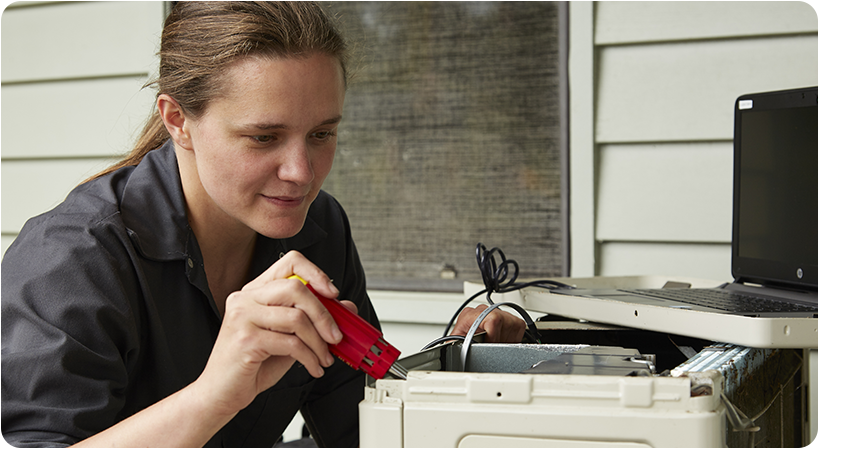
296,277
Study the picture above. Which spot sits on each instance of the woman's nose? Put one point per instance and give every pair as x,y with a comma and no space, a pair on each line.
296,165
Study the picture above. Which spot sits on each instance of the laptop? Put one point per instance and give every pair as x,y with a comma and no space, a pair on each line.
773,300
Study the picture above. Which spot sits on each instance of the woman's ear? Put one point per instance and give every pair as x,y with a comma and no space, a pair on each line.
175,120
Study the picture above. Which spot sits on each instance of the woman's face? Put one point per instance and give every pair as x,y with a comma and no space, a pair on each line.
263,149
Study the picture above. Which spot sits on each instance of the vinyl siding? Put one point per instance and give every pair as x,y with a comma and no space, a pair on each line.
665,78
72,97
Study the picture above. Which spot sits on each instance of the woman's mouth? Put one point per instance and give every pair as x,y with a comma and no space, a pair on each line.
285,201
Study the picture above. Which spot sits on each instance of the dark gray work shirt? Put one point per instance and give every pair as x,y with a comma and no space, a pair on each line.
106,310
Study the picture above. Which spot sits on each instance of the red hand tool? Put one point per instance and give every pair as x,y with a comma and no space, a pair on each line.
362,346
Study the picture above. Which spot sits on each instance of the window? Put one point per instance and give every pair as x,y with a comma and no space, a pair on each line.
452,135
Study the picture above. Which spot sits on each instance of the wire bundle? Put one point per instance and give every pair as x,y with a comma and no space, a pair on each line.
495,279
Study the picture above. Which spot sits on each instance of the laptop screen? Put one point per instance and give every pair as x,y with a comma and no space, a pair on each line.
775,223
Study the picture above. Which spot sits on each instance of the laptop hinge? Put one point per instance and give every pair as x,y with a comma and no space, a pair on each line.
779,291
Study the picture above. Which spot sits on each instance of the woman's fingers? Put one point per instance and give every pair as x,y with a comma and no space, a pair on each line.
500,326
268,326
349,305
280,345
294,263
289,310
293,294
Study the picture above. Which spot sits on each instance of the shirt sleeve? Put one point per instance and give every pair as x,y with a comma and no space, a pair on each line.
68,331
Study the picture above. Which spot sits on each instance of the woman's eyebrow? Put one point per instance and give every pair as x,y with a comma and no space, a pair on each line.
333,120
266,126
280,126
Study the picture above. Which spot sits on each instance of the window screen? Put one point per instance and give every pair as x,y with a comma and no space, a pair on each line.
452,136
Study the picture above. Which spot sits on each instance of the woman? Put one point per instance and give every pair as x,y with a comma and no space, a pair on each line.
151,308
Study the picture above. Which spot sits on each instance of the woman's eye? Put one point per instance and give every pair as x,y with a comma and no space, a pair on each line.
263,139
323,135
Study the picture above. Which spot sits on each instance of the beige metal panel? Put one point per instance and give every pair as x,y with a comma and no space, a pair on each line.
712,262
665,192
637,22
73,40
686,91
31,187
73,118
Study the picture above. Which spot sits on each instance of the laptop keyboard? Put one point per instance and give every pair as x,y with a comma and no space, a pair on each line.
725,300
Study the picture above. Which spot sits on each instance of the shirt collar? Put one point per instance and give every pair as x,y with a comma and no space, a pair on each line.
153,208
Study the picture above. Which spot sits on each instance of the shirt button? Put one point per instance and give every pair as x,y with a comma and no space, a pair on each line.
281,255
190,263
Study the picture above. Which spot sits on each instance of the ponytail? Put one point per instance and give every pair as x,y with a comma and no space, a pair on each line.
153,136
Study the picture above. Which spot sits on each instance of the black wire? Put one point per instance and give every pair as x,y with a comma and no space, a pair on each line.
495,278
494,275
459,310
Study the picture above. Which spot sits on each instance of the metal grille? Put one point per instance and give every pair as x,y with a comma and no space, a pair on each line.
452,136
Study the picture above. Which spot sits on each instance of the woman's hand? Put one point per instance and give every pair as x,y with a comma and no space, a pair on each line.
268,326
500,326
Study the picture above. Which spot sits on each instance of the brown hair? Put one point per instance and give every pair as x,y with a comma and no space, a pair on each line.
201,39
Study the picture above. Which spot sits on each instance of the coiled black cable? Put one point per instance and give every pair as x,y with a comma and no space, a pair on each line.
495,278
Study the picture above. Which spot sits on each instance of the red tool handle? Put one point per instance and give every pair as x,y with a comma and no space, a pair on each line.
362,346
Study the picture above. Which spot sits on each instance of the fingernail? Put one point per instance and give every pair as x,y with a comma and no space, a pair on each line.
336,334
333,287
329,360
